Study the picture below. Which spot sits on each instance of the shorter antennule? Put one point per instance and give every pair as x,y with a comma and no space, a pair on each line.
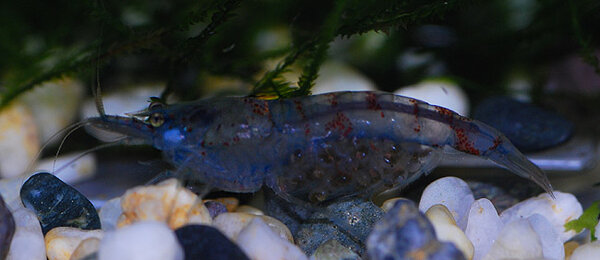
98,100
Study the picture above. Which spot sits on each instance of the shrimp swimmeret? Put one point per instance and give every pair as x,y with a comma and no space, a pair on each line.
314,148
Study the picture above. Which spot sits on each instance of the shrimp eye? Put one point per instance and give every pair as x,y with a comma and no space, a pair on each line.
156,119
155,105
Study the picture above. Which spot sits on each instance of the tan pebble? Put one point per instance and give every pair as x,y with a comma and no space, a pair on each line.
249,209
447,230
439,214
569,248
19,141
85,248
167,201
453,234
61,242
232,223
389,204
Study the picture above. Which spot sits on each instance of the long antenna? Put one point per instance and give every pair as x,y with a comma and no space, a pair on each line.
96,91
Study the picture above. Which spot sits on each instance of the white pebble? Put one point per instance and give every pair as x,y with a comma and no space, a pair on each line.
560,211
109,214
483,226
442,93
54,105
451,192
446,229
259,242
28,240
75,171
9,189
232,223
517,240
19,141
61,242
336,76
587,251
143,240
552,247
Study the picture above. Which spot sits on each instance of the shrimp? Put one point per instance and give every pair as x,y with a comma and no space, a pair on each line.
317,148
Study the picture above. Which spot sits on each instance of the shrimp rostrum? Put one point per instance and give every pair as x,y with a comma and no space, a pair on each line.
315,148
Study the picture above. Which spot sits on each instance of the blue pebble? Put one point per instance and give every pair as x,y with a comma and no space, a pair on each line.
405,233
57,204
315,232
215,208
348,222
355,217
206,242
7,229
528,127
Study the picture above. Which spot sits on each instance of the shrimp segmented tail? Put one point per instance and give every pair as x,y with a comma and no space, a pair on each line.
476,138
491,144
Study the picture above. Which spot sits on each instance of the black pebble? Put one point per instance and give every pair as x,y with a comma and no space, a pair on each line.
7,229
57,204
206,242
528,127
406,233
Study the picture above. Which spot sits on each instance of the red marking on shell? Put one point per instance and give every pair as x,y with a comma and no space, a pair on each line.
463,143
416,114
497,142
340,122
236,139
382,115
373,146
444,111
203,153
299,108
306,129
332,98
226,143
372,102
202,143
259,107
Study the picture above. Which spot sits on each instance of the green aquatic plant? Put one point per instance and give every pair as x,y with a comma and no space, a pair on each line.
168,40
589,220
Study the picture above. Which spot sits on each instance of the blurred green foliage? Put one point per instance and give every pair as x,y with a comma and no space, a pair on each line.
479,43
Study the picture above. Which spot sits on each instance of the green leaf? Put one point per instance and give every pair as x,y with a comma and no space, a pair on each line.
589,220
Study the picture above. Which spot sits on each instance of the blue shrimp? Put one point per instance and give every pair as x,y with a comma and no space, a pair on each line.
315,148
